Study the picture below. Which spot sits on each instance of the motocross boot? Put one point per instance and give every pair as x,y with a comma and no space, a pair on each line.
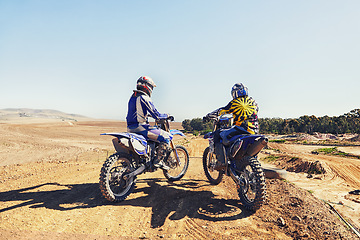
219,151
161,153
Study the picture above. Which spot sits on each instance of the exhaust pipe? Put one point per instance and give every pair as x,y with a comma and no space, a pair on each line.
256,147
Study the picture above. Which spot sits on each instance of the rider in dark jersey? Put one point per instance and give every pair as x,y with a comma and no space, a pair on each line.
244,110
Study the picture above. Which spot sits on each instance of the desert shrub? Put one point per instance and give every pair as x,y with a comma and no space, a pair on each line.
278,140
197,126
327,150
334,151
271,158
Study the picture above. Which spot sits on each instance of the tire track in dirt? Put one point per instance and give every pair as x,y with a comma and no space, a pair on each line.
195,230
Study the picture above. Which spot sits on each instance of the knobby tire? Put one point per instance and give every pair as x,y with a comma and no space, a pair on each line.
105,181
260,185
206,161
184,158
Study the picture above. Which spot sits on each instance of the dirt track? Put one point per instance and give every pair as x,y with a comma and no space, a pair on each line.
342,176
49,190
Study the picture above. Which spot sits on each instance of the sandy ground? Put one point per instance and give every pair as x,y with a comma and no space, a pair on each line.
353,150
49,190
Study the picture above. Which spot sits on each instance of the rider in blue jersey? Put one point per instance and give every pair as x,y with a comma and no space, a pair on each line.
140,107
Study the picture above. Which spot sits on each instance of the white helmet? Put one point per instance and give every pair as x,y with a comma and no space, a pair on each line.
145,84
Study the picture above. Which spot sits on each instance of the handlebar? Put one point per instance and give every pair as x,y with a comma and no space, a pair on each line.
217,118
163,123
163,120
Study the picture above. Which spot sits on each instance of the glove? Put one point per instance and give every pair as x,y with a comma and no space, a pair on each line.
171,118
206,119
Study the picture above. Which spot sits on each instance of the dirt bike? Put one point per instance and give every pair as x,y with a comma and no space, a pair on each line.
134,155
240,149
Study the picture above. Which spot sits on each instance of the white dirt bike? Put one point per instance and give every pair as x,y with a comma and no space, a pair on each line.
134,155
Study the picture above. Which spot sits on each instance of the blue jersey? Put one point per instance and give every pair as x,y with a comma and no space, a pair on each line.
139,108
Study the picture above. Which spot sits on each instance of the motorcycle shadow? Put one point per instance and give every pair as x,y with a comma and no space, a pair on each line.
184,198
173,200
61,197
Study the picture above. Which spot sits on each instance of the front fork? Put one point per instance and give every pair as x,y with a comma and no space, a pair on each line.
172,145
212,156
226,160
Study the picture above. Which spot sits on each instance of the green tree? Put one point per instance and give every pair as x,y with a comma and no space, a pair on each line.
197,126
186,125
347,123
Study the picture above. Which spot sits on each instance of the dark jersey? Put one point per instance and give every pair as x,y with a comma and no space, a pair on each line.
244,110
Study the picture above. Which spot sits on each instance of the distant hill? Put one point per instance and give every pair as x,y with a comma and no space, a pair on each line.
16,113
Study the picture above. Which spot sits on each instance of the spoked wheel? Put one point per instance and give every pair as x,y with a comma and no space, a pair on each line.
209,162
252,188
176,172
113,184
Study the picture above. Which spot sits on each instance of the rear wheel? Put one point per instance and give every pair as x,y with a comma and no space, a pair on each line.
252,187
176,172
113,185
209,162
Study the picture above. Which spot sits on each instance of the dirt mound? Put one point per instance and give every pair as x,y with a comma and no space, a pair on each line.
314,167
314,137
324,136
296,164
353,196
355,139
307,137
299,214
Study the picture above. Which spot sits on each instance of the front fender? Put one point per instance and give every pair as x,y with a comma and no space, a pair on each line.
176,132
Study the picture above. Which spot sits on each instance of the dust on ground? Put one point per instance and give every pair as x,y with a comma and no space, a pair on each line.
49,190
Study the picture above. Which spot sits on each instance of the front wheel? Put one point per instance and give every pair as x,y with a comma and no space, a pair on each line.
113,184
176,171
252,187
209,162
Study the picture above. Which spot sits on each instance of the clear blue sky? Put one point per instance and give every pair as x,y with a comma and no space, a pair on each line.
296,57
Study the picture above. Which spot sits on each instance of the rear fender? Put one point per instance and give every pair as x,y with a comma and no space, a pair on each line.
126,135
251,145
121,145
129,141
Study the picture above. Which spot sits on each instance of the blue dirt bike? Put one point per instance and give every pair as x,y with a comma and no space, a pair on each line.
134,155
240,151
